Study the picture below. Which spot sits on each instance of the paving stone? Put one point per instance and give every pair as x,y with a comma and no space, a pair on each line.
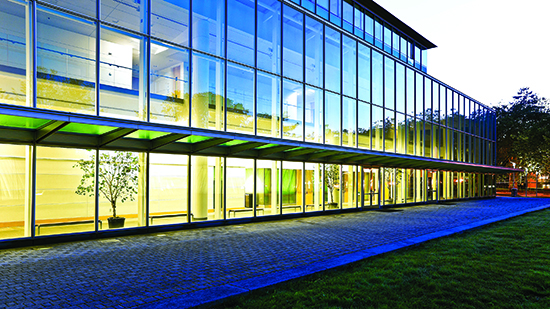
186,268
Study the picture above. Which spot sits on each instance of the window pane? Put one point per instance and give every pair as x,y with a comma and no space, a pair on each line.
314,186
350,66
86,7
400,134
332,186
400,88
269,35
350,180
267,187
377,128
125,13
332,119
364,73
314,52
168,188
336,12
322,8
292,43
170,20
387,39
314,115
347,16
395,44
364,126
240,188
293,102
428,139
65,63
169,85
410,92
208,26
12,191
378,32
207,103
389,87
419,96
377,78
268,104
122,73
292,187
359,28
410,135
332,63
389,130
61,197
240,31
428,99
349,114
435,102
309,4
207,197
13,67
240,99
369,29
403,50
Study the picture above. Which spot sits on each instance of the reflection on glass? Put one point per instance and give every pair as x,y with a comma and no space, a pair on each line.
377,128
336,12
293,104
240,189
428,139
377,79
170,20
168,189
399,88
62,204
364,125
207,110
292,187
314,115
349,186
240,31
364,73
322,8
349,113
293,43
269,35
125,13
347,16
314,52
86,7
371,183
332,118
207,188
268,96
428,110
349,58
410,92
208,26
314,186
389,86
169,85
65,63
267,187
122,75
419,96
13,85
12,191
389,131
240,99
400,134
410,135
369,28
419,145
358,29
332,61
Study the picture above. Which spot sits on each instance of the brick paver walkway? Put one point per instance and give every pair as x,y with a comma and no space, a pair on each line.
185,268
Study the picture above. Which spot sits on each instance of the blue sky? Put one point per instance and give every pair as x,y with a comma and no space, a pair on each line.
487,49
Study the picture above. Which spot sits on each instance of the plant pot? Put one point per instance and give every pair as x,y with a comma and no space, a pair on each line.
116,222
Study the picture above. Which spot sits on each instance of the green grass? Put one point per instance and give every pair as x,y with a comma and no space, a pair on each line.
505,265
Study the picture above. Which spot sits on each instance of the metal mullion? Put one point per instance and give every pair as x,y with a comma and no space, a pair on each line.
96,188
341,134
223,199
254,206
65,10
148,79
323,185
34,51
281,189
97,60
324,81
281,58
255,71
370,94
357,95
189,188
340,185
33,191
225,68
191,69
304,79
303,187
147,192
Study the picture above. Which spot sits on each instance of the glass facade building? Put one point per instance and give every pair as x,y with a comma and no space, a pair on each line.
229,109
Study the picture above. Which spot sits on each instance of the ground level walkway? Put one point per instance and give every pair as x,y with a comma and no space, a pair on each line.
186,268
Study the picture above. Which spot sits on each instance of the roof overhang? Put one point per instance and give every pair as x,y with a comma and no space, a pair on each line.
396,22
30,126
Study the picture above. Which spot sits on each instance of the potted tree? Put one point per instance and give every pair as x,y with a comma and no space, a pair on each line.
118,180
332,179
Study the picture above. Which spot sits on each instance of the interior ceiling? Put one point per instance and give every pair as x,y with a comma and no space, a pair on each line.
24,125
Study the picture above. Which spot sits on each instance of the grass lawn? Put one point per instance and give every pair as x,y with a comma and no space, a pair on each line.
505,265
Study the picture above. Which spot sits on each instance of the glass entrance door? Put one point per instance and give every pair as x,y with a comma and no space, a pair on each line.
370,188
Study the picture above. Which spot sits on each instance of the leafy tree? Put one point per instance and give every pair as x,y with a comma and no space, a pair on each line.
118,177
332,177
523,132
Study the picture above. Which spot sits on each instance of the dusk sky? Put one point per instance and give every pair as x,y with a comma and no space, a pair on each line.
487,49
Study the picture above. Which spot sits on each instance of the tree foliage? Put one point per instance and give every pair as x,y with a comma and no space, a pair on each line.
523,132
332,179
118,177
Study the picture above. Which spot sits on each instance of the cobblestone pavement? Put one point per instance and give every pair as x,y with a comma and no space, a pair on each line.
185,268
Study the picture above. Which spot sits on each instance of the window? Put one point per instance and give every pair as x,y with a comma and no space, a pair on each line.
349,56
314,52
170,21
332,62
269,36
293,43
240,99
208,26
240,31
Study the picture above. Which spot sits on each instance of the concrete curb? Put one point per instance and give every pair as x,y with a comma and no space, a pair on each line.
216,295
